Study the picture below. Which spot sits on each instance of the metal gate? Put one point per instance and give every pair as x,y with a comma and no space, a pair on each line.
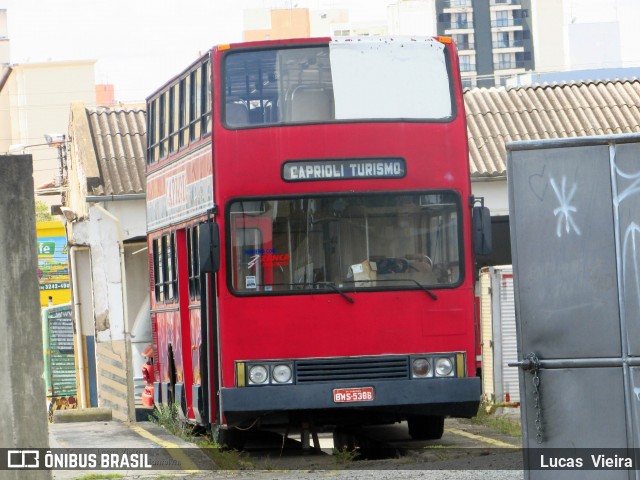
575,233
498,325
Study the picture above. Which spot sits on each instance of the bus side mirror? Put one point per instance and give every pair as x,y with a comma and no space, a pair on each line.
209,247
482,231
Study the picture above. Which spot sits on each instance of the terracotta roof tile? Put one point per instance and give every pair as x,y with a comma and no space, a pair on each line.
120,139
496,116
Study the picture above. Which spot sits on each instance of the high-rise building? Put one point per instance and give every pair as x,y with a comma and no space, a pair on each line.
493,37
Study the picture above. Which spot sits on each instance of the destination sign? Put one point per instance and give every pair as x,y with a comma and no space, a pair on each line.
300,171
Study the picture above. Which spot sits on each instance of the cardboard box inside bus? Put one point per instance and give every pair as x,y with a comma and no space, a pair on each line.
363,273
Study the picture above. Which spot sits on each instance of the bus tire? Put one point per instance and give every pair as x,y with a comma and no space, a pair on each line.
426,427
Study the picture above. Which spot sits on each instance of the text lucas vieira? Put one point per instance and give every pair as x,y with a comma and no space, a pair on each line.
597,461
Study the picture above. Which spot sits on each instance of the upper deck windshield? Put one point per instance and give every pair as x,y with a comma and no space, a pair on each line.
347,80
346,242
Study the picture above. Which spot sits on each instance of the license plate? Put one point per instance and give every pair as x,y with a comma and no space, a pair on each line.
360,394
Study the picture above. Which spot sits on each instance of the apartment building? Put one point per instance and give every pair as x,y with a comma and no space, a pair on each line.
34,102
494,38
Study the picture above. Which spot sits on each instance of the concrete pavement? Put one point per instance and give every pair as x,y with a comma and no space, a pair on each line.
111,438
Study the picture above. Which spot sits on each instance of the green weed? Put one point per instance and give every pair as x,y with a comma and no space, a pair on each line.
222,458
166,416
502,424
342,456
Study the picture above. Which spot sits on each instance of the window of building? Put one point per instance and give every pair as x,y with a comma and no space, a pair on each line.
500,39
444,18
465,63
503,19
521,58
522,13
461,20
463,41
503,61
468,82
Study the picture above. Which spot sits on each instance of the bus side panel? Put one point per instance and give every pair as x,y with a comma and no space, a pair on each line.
170,347
196,345
185,321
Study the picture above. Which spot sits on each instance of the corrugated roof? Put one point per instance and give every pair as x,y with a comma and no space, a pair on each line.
120,140
496,116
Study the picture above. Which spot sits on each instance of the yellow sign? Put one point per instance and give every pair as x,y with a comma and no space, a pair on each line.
53,263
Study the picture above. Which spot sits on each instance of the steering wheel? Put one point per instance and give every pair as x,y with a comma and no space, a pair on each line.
421,259
392,265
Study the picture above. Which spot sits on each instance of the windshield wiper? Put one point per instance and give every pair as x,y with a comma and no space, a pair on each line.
335,289
330,285
429,292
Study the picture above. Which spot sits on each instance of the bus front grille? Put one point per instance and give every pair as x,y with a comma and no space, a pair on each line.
352,369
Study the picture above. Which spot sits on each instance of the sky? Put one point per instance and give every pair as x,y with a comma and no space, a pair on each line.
140,44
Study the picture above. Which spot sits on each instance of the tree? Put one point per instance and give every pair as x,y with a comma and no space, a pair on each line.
42,212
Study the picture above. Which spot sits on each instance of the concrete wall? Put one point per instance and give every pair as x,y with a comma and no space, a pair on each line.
23,423
5,56
549,42
494,193
115,314
412,17
322,21
264,24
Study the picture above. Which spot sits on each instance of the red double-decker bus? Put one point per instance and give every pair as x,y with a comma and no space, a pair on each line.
310,236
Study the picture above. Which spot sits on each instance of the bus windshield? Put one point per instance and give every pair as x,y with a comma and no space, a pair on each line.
372,241
374,79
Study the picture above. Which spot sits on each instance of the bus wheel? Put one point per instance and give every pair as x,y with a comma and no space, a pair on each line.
229,439
426,428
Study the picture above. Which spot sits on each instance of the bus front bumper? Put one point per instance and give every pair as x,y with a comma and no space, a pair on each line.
458,397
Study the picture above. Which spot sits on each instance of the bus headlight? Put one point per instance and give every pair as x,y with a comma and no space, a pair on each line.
281,373
258,375
420,368
444,367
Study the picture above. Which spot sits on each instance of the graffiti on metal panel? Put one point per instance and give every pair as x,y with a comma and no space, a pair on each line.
629,245
634,187
566,210
632,233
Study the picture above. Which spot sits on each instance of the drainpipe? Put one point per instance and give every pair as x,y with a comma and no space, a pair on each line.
125,314
76,314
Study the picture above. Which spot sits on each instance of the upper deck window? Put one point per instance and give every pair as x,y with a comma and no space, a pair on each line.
347,80
179,115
